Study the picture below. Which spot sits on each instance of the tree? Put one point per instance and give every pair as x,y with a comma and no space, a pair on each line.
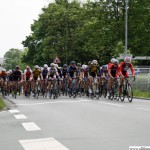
12,58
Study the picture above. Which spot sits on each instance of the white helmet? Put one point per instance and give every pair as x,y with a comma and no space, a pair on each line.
45,66
94,62
10,71
36,66
56,65
84,66
112,60
127,59
4,70
116,62
52,65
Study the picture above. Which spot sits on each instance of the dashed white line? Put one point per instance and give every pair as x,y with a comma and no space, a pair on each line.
20,116
53,102
42,144
144,109
112,104
13,111
30,126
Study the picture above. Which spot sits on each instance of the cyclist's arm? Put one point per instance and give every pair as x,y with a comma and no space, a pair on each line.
132,69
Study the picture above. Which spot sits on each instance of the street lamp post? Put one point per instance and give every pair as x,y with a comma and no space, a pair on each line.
126,26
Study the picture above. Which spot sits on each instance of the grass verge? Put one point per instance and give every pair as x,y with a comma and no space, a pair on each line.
2,104
141,94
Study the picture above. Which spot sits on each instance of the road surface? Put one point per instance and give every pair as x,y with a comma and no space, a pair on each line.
74,124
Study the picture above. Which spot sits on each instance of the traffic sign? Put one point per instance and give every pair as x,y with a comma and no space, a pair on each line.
57,60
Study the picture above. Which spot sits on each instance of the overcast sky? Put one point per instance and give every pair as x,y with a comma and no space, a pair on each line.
16,17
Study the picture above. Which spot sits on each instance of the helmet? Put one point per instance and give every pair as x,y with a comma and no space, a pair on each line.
17,67
104,67
73,62
84,66
36,66
78,64
3,70
65,65
10,71
27,67
94,62
112,60
89,63
116,62
45,66
127,60
56,65
52,65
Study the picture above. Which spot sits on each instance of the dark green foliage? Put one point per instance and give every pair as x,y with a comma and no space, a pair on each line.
94,30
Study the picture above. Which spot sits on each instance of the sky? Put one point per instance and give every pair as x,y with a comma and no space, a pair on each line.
16,17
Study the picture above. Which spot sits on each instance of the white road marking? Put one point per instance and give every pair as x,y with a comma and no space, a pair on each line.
144,109
30,126
53,102
2,111
20,116
112,104
13,111
42,144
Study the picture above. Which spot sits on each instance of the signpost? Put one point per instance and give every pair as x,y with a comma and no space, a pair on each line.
57,60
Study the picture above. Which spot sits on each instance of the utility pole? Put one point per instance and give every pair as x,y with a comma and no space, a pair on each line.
126,26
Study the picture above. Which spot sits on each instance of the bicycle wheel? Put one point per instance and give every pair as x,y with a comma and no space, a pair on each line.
111,95
129,93
122,93
104,92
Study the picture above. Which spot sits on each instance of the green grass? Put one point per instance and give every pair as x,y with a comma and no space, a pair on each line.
2,104
141,94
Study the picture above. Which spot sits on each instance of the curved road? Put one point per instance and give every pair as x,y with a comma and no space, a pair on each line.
74,124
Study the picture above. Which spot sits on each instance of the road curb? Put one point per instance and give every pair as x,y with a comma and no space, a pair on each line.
10,104
142,98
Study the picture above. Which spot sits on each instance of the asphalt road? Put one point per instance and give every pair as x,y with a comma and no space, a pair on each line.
74,124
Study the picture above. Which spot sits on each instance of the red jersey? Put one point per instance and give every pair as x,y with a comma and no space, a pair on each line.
114,70
125,67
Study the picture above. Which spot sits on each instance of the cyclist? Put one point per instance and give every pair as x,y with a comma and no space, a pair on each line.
114,71
27,73
17,74
93,71
84,77
125,65
104,71
45,71
78,68
64,71
36,73
3,74
53,72
72,73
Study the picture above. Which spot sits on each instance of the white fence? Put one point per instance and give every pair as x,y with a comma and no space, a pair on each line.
142,81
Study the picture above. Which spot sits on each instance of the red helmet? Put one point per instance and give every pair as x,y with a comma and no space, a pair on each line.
127,59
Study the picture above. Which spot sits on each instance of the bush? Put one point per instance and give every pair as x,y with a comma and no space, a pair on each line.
2,104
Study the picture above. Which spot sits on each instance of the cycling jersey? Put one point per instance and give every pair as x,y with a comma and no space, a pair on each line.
17,75
64,72
44,73
115,70
3,75
93,70
28,73
125,67
71,71
36,73
52,72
